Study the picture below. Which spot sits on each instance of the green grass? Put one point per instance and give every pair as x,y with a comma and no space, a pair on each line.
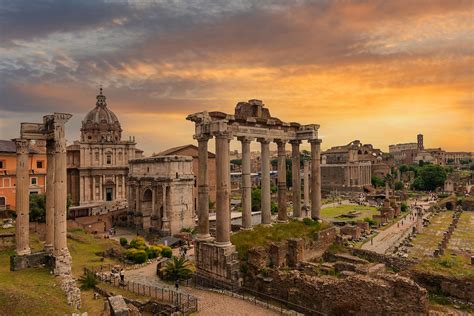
331,213
31,291
36,291
456,266
262,235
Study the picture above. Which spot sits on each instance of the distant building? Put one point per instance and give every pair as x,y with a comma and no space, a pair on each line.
37,168
98,162
191,150
350,167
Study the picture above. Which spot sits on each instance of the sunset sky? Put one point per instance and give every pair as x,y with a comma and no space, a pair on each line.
377,71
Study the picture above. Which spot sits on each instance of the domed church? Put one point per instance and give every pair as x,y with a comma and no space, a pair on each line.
98,162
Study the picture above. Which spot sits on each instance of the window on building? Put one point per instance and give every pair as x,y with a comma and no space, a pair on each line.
34,181
97,156
109,159
3,201
2,164
40,164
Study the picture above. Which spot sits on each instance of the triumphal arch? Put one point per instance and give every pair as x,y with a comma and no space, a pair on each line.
51,130
216,257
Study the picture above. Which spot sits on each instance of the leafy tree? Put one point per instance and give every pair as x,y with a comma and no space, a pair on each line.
237,162
432,177
178,269
138,243
88,281
256,199
404,207
38,207
274,207
403,168
398,185
377,182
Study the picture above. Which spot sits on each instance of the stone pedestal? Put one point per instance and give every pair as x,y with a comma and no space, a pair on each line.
217,263
62,262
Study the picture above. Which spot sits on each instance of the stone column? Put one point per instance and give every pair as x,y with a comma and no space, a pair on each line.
246,184
306,184
50,187
153,201
222,190
203,189
165,225
296,177
61,252
22,234
282,214
266,197
315,178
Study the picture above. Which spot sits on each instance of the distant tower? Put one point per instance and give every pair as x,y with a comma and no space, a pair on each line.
419,137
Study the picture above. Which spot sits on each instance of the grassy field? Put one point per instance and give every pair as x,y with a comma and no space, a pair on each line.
332,213
426,242
36,291
261,235
462,239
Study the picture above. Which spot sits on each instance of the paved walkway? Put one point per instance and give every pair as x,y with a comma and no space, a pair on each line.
210,303
388,237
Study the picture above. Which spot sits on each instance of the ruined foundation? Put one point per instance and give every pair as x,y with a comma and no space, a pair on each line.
217,263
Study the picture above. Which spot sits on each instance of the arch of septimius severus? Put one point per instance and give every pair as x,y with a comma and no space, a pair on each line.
52,130
216,258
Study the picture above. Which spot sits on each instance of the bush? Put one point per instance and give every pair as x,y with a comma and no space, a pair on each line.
371,221
404,207
138,243
140,256
398,185
153,251
123,241
166,252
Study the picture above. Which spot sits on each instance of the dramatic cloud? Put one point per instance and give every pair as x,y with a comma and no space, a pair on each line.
378,71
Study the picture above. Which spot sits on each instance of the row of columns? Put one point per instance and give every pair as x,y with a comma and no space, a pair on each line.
223,188
361,173
56,197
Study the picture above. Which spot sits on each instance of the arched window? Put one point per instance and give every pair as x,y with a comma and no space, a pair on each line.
147,196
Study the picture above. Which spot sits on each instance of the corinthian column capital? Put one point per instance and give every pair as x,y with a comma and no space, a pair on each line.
22,145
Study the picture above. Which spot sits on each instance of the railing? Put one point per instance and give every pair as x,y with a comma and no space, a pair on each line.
274,303
176,301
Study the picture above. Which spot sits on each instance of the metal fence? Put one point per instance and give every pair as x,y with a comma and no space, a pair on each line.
176,301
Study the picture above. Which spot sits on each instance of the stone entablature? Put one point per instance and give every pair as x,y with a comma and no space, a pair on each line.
161,194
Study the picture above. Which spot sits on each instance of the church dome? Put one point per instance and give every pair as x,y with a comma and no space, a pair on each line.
101,124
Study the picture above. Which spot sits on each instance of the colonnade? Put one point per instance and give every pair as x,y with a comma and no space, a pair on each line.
56,189
223,188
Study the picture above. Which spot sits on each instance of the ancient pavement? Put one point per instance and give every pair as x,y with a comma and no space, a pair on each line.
388,237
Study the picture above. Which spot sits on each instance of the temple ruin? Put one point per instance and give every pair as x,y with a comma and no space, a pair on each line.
52,130
216,257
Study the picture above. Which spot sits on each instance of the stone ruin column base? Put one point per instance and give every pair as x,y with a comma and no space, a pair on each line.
216,265
62,262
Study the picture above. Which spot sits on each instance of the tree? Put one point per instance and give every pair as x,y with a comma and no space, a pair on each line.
256,199
38,207
398,185
403,168
178,269
433,176
377,182
418,184
237,162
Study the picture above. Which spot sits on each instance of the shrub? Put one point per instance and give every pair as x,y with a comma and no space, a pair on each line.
404,207
130,253
178,269
166,252
88,281
123,241
153,251
371,221
140,256
138,243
